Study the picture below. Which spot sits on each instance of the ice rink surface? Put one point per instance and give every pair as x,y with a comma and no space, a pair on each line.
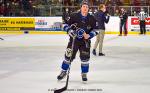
31,63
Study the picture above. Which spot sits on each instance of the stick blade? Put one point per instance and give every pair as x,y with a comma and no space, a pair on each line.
60,90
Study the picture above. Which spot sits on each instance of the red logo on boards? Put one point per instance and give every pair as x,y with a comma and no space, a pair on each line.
135,21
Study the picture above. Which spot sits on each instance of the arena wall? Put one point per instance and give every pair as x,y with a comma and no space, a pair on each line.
53,25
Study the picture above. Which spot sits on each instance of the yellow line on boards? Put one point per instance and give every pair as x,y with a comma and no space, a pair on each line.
55,32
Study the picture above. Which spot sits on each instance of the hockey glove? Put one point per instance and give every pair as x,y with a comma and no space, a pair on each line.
74,26
72,33
80,33
93,33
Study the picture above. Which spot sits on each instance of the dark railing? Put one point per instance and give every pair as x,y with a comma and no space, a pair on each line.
52,10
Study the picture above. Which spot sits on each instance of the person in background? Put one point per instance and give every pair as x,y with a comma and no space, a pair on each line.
2,9
116,12
123,20
66,15
134,13
101,17
142,17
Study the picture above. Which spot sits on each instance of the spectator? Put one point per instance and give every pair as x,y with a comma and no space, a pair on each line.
7,10
116,12
66,15
134,13
2,9
13,9
22,13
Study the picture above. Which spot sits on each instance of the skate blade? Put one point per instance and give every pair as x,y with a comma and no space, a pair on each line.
59,80
84,82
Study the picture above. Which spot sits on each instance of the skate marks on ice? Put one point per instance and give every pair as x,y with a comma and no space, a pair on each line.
124,69
76,85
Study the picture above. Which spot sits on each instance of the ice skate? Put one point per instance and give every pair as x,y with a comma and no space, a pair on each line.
84,78
62,75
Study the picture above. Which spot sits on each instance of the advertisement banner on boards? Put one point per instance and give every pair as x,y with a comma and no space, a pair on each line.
48,23
134,26
17,23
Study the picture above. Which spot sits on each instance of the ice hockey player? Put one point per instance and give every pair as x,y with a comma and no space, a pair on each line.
81,26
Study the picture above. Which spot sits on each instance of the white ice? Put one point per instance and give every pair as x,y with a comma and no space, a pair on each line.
31,63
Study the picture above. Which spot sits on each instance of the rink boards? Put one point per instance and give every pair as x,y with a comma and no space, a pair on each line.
53,25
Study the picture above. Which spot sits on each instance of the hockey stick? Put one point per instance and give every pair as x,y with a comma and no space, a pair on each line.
65,87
